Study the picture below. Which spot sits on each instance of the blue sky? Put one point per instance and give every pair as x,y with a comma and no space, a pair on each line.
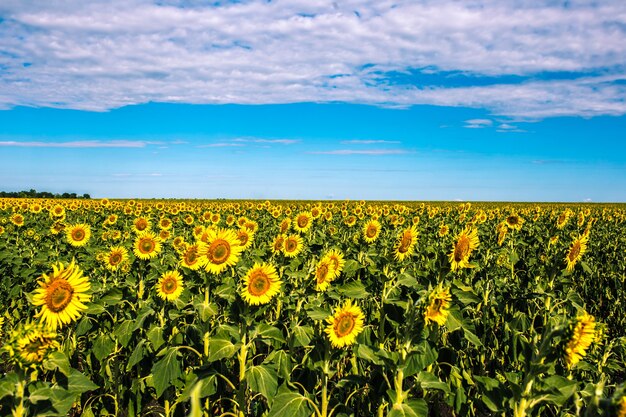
405,100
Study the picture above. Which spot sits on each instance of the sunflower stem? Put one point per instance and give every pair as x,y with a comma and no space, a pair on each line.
326,371
241,393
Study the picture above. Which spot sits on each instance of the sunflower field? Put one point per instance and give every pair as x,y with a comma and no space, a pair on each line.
299,309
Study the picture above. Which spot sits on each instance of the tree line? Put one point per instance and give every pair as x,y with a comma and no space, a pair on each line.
40,194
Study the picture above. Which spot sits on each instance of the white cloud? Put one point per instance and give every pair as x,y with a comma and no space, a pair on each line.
267,141
478,123
104,54
221,145
79,144
362,152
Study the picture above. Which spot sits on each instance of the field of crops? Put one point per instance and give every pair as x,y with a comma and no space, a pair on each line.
298,309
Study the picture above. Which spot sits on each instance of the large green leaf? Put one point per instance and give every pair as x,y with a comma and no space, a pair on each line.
124,332
354,289
290,404
412,408
8,384
58,360
221,349
77,383
262,379
270,332
166,370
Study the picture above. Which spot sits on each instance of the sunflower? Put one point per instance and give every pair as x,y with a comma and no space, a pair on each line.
17,219
337,260
245,238
371,231
466,242
582,335
61,295
345,325
324,273
284,225
443,230
437,310
57,211
278,244
147,245
576,251
350,221
31,343
222,250
406,243
303,222
190,258
514,222
621,407
563,218
78,234
292,246
115,258
260,284
165,223
141,224
170,286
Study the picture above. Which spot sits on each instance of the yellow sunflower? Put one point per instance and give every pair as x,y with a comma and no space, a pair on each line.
57,211
141,224
170,286
222,250
443,230
621,407
147,245
371,230
115,258
284,225
190,258
292,246
337,260
582,336
165,223
245,238
437,310
345,325
324,274
61,295
563,218
17,219
78,234
31,343
303,222
514,222
260,284
576,251
278,244
466,242
406,243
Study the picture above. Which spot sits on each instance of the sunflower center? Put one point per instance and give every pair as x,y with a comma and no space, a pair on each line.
58,295
371,231
575,251
344,325
169,285
219,251
259,283
322,273
461,249
278,244
146,245
303,221
191,256
436,305
78,234
141,224
405,243
115,258
512,220
243,238
290,245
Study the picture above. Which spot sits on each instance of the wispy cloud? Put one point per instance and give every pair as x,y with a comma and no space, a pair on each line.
368,142
362,152
221,145
80,144
103,55
478,123
267,141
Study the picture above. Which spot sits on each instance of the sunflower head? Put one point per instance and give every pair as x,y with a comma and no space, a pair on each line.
371,231
141,224
406,243
222,250
170,286
345,325
62,295
466,243
30,344
438,305
191,258
292,246
336,258
260,284
576,251
303,221
324,274
115,258
147,245
582,335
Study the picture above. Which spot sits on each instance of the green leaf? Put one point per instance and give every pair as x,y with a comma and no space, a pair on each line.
155,336
58,360
112,297
418,361
317,313
102,346
586,267
367,353
454,320
124,332
350,268
412,408
137,355
266,331
165,371
408,280
95,309
8,384
221,349
262,379
561,389
290,404
472,338
302,335
206,311
77,383
428,380
354,289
